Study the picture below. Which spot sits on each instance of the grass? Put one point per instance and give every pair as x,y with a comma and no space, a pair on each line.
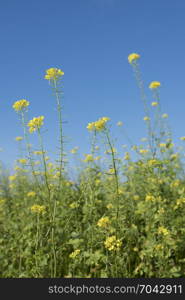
122,218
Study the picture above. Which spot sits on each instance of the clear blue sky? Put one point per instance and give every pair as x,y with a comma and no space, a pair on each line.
90,41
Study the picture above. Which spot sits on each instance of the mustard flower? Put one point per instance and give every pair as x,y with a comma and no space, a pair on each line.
12,177
109,206
133,57
182,138
99,125
31,194
165,116
22,161
74,205
163,231
20,105
19,138
127,156
74,254
40,209
53,74
91,126
88,158
103,222
74,150
112,243
143,151
149,198
146,118
154,103
154,84
37,152
35,123
162,145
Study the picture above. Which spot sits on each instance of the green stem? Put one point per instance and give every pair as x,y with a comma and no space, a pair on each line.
29,149
115,173
59,109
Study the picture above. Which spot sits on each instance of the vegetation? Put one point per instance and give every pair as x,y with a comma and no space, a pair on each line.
120,218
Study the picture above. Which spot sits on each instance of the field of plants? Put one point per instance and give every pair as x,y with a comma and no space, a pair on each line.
122,218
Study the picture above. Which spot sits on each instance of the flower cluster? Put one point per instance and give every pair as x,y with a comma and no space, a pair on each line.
31,194
20,105
133,57
163,231
53,74
35,124
40,209
99,125
154,85
23,161
88,158
74,254
112,243
103,222
19,138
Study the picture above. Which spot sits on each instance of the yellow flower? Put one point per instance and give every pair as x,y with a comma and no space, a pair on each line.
154,84
174,156
175,183
109,206
98,125
179,203
22,161
136,197
165,116
162,145
74,150
19,138
159,247
12,177
38,208
53,74
146,118
88,158
154,103
37,152
163,231
103,222
111,171
74,254
152,162
74,205
35,123
31,194
182,138
149,198
112,243
97,158
143,151
20,105
91,126
127,156
133,57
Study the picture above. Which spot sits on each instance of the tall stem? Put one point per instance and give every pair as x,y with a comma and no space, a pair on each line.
115,174
29,149
59,109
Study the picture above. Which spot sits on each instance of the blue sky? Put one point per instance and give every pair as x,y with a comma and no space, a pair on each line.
90,41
